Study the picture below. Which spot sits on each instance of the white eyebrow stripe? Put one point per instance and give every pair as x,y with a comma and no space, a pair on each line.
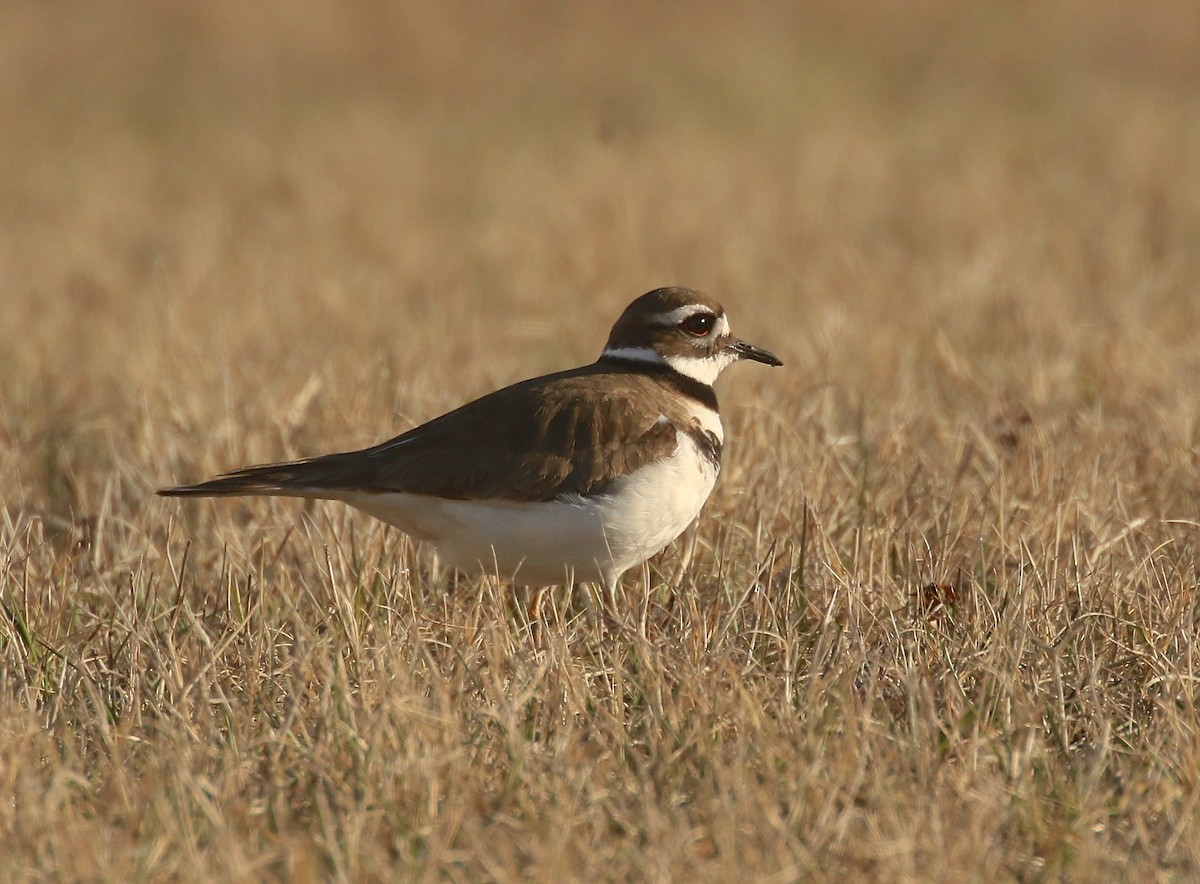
679,314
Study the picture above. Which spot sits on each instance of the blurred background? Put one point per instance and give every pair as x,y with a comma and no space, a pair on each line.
209,211
940,623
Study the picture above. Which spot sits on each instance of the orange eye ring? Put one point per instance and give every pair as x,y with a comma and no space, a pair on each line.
699,325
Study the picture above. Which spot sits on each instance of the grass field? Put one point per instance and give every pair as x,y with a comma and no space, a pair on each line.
940,618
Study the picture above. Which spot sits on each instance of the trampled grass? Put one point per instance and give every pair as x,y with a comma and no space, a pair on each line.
939,620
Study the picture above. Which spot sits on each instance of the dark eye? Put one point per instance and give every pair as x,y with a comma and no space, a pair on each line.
699,324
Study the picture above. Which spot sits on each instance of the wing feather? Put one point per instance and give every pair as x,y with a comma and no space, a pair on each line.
577,443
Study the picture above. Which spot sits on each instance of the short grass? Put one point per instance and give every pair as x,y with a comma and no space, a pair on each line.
939,620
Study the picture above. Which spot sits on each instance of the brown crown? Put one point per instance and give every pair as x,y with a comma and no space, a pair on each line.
642,324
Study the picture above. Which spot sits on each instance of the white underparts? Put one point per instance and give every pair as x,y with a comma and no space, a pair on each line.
709,420
569,538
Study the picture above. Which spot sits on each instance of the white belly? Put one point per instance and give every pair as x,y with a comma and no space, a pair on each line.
568,538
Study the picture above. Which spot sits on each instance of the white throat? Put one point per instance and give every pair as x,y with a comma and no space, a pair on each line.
705,369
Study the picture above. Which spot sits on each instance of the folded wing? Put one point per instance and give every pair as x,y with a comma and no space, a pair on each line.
535,440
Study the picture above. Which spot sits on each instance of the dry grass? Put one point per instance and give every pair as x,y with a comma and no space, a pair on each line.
941,621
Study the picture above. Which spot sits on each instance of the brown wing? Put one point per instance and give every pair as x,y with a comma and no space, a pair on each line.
576,443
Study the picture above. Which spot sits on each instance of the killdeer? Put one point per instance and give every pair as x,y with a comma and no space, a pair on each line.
574,476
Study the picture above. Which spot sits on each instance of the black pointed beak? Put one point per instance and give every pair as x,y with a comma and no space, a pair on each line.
749,351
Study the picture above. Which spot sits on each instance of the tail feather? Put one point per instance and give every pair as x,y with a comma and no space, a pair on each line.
301,478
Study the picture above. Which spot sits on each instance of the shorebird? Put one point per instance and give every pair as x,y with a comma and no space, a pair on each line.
571,477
